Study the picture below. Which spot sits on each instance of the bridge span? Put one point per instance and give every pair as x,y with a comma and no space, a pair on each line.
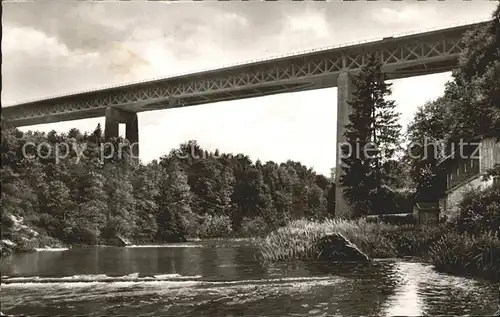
405,56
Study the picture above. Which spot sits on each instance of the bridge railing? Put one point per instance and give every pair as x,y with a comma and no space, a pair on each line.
267,58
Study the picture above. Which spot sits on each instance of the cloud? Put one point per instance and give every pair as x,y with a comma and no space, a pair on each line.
310,22
422,15
124,61
28,41
405,15
34,64
231,19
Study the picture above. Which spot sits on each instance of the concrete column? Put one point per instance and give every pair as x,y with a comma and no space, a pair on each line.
116,116
345,87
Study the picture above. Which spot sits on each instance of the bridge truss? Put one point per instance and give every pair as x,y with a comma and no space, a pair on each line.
407,56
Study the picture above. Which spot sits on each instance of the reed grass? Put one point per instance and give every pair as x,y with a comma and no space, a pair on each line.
466,254
448,250
297,241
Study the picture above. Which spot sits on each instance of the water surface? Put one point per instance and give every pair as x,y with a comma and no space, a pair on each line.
222,278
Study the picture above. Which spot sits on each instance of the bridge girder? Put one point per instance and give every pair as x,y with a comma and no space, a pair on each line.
437,51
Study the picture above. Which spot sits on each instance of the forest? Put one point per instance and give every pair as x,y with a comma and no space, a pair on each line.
89,198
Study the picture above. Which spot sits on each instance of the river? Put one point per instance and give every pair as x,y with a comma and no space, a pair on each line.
222,278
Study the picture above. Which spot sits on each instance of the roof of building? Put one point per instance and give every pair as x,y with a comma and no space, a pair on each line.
427,205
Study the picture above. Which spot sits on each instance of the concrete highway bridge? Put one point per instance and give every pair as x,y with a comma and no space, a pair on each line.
403,56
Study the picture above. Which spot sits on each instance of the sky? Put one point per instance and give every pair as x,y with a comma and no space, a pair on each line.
54,47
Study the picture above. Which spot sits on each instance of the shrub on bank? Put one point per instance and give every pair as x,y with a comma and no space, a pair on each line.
215,226
480,211
254,227
472,246
19,243
467,255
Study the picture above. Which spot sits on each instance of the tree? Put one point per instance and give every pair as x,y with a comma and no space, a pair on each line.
333,175
251,196
146,190
173,204
121,203
470,106
88,220
372,135
212,186
426,146
278,181
474,92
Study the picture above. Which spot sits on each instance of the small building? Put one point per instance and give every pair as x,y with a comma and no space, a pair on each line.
426,213
463,170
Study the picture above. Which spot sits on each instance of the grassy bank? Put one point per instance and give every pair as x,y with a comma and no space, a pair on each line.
449,251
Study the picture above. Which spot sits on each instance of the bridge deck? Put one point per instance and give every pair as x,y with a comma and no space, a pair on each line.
405,56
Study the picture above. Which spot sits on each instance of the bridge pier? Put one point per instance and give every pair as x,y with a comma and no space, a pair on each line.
116,116
345,87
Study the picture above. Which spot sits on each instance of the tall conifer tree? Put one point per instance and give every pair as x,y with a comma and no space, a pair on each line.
373,134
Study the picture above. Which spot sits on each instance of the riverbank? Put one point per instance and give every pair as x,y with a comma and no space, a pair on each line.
447,250
24,238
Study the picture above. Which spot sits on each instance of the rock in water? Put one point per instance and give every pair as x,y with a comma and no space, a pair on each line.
123,241
335,247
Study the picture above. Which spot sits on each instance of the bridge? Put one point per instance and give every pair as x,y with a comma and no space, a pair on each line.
403,56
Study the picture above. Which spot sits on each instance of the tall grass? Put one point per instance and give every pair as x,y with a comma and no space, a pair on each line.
449,250
297,241
467,254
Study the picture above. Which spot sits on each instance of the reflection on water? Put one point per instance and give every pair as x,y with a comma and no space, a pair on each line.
405,297
223,278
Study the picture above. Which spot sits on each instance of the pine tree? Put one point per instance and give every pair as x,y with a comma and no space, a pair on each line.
373,127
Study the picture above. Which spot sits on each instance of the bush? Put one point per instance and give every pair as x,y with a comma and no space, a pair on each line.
216,226
479,211
6,224
47,241
254,227
192,223
23,244
466,254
